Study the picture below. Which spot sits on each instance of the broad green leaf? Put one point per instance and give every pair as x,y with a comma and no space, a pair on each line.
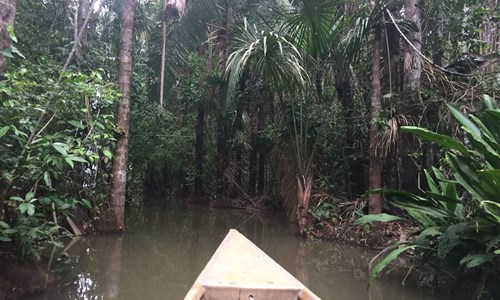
489,181
486,130
86,203
47,180
29,196
493,208
497,252
69,162
107,153
431,183
16,198
494,113
492,243
10,32
387,260
16,51
464,173
489,102
426,234
440,139
77,124
8,53
450,239
4,225
443,198
61,148
4,130
4,239
426,217
76,158
463,120
482,147
376,218
27,208
474,260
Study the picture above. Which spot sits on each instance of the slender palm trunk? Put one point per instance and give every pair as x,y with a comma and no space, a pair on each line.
252,169
163,50
261,149
391,85
200,128
238,127
119,172
410,104
7,17
222,155
375,171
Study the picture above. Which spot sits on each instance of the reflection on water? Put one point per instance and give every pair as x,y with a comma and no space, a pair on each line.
165,248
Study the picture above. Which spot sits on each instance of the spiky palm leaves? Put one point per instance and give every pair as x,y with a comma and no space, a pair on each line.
268,55
313,25
190,34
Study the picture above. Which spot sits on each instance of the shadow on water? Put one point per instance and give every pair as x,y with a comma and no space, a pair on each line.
165,248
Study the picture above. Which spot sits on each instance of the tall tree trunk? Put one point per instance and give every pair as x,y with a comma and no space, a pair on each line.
319,82
252,168
410,102
238,127
171,10
200,128
261,179
441,32
375,171
119,172
391,86
163,50
490,29
7,17
84,8
261,182
222,155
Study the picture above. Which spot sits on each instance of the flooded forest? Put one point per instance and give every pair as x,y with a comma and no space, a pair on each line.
357,143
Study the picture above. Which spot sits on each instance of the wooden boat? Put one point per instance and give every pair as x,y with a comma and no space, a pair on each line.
239,270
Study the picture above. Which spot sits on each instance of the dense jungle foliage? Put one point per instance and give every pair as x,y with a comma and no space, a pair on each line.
297,105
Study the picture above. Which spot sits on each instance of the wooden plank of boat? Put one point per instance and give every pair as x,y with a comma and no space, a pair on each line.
239,270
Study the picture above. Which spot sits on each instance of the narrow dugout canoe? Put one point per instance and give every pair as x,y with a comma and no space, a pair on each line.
239,270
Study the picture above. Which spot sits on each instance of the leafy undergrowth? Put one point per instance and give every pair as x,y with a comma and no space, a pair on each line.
376,235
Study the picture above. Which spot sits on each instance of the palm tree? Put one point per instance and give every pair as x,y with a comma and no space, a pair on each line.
314,26
171,9
375,171
276,60
119,172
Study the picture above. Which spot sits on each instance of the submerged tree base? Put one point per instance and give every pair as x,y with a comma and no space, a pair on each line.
18,279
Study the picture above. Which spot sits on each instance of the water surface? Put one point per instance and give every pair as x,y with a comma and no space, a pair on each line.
165,248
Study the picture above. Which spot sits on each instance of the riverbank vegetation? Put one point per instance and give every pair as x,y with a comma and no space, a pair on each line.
298,106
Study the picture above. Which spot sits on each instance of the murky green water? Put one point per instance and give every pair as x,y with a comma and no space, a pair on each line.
164,249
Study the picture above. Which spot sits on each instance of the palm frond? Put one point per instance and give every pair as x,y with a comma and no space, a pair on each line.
269,55
313,25
361,28
190,33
